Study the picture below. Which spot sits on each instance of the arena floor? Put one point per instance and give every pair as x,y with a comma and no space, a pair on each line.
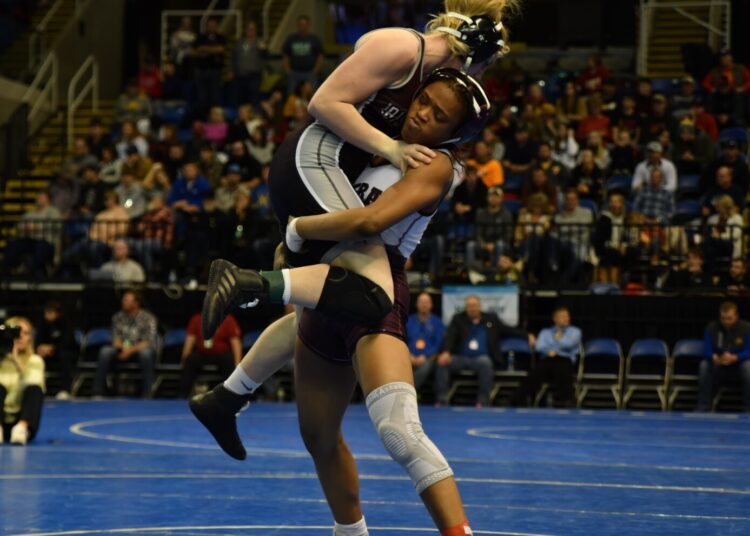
136,467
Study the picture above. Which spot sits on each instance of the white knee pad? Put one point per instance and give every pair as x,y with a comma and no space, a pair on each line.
393,411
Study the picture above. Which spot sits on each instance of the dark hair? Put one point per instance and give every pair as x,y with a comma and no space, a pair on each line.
727,306
136,294
303,17
696,252
559,309
53,305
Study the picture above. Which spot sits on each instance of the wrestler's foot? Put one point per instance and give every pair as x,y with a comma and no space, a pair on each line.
228,285
217,410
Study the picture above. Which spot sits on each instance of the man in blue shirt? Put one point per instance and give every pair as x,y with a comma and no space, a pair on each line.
424,334
727,356
557,350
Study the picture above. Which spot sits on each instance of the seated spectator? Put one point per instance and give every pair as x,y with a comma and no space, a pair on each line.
571,241
557,172
703,121
727,356
153,232
243,228
172,87
121,269
249,166
472,342
725,231
226,195
593,76
63,192
595,121
216,129
668,150
654,201
97,139
135,163
587,178
520,151
655,160
57,346
507,272
596,146
176,158
658,120
488,169
131,195
570,105
565,147
736,74
424,336
210,165
189,190
133,337
81,157
495,145
21,387
295,107
469,196
243,126
133,105
159,145
558,349
149,78
224,350
157,182
644,93
37,236
91,195
724,186
690,276
540,184
624,155
627,119
260,147
683,101
110,166
693,150
610,241
129,135
494,232
726,105
737,280
730,157
272,110
531,234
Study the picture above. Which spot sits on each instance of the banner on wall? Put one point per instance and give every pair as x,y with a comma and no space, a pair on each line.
501,300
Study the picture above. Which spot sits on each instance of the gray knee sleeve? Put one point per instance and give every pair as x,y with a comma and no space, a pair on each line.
393,411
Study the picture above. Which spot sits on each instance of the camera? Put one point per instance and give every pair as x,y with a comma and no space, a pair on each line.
7,335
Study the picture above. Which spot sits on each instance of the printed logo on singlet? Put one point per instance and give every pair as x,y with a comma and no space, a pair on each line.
361,189
391,111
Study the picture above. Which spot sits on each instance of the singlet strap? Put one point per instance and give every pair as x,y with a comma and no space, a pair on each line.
418,67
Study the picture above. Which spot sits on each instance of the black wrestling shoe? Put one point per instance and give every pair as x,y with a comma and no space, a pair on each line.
217,410
229,286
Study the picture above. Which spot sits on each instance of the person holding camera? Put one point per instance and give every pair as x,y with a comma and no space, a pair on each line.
21,382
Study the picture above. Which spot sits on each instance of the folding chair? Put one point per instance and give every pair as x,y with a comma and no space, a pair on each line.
646,370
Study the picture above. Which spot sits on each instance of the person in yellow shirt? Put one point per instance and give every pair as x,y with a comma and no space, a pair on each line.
489,169
21,387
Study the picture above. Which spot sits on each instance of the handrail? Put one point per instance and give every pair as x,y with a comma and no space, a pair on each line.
45,92
698,21
206,14
267,19
45,21
92,85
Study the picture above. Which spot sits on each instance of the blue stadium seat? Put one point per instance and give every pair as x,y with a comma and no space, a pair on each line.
620,183
686,359
688,184
78,337
600,371
646,369
513,206
230,114
738,134
519,350
602,289
687,210
665,86
93,340
174,337
97,337
513,182
591,205
170,112
249,339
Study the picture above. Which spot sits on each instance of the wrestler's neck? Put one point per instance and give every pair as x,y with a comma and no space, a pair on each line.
437,54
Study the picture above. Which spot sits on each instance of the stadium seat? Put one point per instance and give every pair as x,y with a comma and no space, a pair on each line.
513,182
600,370
93,340
620,184
249,339
170,112
665,86
646,370
230,114
738,134
686,211
591,205
518,357
688,185
513,206
602,289
684,368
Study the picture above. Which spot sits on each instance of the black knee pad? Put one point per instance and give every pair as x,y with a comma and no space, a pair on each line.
352,297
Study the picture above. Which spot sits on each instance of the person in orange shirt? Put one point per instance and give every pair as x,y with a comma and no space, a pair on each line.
488,169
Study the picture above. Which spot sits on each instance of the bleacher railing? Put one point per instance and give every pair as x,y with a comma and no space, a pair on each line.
41,95
76,96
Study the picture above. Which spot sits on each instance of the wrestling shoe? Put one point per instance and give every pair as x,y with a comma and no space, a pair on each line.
229,286
217,410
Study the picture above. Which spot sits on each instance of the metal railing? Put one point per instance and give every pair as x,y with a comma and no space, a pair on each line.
169,14
43,90
718,26
38,45
91,86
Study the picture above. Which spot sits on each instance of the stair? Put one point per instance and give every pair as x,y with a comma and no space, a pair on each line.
46,153
669,32
253,10
15,59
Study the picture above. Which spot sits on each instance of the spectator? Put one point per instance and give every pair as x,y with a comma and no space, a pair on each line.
249,166
587,178
472,342
655,160
624,155
189,190
424,336
303,56
133,336
97,139
121,269
724,186
272,110
149,78
488,169
57,346
91,195
176,158
736,74
540,184
627,119
181,43
691,276
595,121
572,232
242,229
610,241
64,192
209,61
557,173
224,350
469,196
110,166
730,157
737,280
157,182
494,232
210,165
259,147
683,101
244,125
129,136
654,201
571,106
726,105
594,75
131,195
601,153
727,356
295,107
135,164
159,147
21,387
81,157
38,234
725,227
643,95
495,145
702,120
520,151
658,120
133,105
172,86
693,151
226,195
565,147
216,130
153,232
248,62
531,234
558,348
507,272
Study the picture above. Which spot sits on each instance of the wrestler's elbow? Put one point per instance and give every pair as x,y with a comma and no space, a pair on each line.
368,226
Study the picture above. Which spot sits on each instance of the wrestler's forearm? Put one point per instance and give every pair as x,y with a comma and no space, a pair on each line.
347,123
353,224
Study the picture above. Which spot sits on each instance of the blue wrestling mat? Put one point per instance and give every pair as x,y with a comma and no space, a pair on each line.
146,467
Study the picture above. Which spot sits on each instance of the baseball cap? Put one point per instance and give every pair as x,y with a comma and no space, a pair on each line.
234,168
495,190
654,147
660,98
